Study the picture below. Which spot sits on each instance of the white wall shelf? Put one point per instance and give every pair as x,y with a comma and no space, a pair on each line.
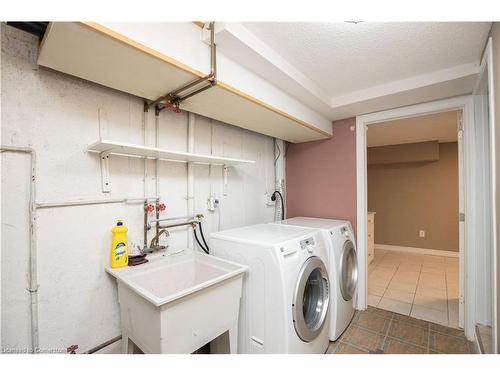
93,52
105,146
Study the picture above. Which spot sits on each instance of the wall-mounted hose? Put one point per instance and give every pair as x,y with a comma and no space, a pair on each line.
203,238
198,241
273,198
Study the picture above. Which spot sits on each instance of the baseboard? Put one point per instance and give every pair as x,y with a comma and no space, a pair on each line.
418,250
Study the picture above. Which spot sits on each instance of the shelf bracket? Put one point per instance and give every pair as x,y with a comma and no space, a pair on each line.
106,185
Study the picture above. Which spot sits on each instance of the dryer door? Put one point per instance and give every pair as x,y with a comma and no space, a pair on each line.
311,299
348,272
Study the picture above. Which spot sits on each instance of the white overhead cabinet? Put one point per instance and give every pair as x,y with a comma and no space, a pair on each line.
98,54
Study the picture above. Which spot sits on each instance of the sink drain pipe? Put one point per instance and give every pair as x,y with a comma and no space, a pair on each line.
32,275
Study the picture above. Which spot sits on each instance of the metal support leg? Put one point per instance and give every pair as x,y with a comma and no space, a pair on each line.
125,344
233,339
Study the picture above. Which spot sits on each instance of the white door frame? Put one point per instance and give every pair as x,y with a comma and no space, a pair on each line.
467,258
485,124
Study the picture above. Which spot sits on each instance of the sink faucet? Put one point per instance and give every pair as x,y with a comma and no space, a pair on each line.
162,229
155,241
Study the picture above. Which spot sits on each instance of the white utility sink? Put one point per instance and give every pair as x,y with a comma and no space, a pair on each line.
178,303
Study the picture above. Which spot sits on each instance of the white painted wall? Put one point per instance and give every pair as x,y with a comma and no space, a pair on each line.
57,115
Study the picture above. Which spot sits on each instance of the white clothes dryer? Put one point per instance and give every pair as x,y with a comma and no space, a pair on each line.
342,267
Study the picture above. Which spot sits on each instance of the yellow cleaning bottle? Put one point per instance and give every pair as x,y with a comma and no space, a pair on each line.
119,246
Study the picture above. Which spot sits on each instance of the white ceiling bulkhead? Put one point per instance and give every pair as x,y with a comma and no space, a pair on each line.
345,69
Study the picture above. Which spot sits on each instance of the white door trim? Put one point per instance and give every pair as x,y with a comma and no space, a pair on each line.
487,134
467,259
462,188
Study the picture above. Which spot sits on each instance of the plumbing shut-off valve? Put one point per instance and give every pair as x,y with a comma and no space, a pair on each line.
159,207
173,106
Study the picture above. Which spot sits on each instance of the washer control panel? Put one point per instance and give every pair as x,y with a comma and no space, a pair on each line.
307,244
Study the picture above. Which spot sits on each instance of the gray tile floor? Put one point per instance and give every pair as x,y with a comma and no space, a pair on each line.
421,286
377,331
485,338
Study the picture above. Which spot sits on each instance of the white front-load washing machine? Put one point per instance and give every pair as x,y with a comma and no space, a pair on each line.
285,300
342,267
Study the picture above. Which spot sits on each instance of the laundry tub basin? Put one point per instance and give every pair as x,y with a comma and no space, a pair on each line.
178,303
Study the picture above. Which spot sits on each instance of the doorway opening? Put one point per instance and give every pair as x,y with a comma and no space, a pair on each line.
469,163
413,231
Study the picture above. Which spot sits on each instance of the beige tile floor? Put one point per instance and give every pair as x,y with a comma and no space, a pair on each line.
421,286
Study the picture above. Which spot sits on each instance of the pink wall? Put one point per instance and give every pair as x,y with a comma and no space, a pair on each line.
321,176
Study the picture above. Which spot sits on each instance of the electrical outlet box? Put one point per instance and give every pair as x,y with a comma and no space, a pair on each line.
212,203
268,200
421,233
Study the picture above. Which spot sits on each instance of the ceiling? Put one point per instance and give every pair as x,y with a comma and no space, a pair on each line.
344,69
440,127
346,57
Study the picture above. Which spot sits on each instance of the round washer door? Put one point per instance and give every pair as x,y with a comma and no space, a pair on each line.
348,271
311,299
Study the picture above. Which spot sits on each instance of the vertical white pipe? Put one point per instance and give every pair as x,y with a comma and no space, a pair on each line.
33,280
190,174
157,144
157,167
145,114
144,139
279,175
33,256
211,153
